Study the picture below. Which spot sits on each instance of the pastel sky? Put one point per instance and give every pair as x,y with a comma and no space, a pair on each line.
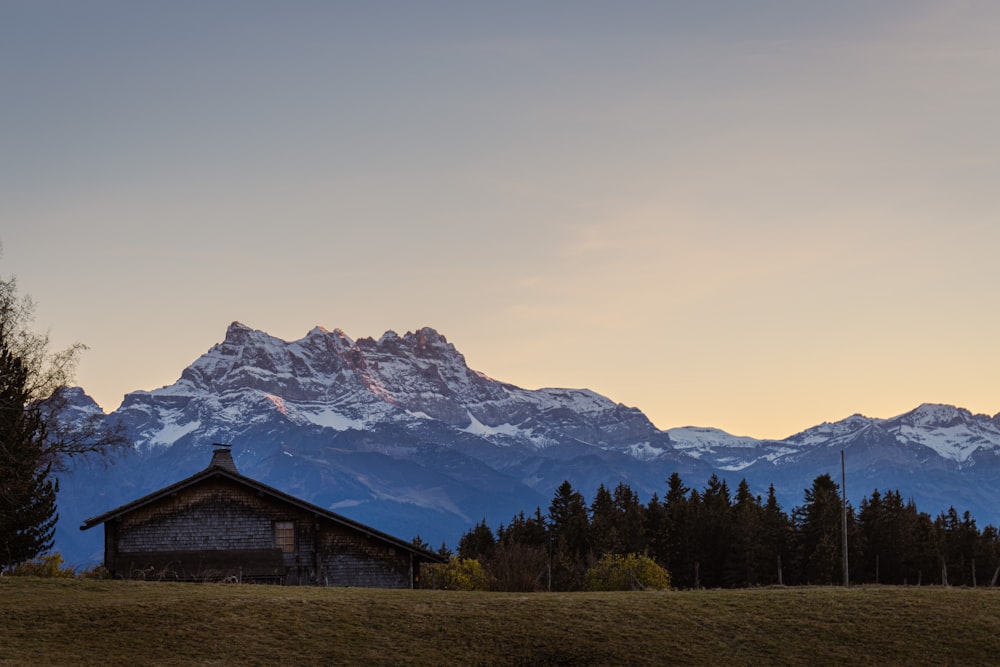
757,216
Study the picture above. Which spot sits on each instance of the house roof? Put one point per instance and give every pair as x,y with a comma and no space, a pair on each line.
222,466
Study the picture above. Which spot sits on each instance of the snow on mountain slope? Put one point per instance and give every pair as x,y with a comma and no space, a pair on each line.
330,381
954,433
419,380
833,434
726,452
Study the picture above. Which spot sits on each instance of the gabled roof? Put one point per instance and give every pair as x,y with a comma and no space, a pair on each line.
220,469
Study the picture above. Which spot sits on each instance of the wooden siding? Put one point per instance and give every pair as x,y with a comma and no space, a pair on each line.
349,558
221,529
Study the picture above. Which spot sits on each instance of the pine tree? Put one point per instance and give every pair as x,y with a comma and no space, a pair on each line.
27,492
747,538
680,520
968,547
694,538
957,546
604,537
655,529
715,532
886,529
897,532
927,562
874,533
479,543
776,538
818,525
947,526
631,516
569,526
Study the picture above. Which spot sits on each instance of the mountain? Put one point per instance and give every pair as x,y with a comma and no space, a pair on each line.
937,455
401,434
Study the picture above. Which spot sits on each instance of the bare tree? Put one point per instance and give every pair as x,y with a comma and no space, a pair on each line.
48,376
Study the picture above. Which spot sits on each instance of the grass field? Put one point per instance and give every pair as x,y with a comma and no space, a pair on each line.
80,622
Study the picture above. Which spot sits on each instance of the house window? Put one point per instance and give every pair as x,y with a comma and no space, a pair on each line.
284,536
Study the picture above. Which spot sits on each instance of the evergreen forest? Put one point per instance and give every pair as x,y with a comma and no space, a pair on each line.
713,538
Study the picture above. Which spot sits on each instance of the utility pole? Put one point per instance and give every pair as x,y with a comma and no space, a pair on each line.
843,506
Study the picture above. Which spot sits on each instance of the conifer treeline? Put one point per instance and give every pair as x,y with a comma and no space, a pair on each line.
711,538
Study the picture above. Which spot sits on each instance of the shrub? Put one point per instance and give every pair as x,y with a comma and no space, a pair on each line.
458,574
615,572
47,565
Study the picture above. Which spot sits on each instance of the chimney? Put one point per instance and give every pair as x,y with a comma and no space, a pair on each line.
223,458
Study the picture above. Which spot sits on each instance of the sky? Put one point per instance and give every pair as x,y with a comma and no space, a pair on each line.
751,216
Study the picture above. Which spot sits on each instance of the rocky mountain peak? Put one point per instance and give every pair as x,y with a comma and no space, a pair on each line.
426,339
935,415
328,380
237,333
388,338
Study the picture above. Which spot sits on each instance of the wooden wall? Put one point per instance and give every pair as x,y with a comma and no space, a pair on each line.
220,529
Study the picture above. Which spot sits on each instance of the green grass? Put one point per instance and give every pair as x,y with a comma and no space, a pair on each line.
80,622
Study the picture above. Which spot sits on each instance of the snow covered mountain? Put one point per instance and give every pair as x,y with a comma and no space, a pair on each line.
401,434
723,451
328,381
937,455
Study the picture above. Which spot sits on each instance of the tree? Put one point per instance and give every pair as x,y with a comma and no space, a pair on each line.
604,536
957,546
875,535
617,522
818,524
655,529
631,515
27,493
901,518
35,440
746,545
569,540
886,527
714,528
679,526
926,560
776,532
521,560
478,543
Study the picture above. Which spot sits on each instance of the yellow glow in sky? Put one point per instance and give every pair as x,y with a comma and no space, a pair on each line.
754,218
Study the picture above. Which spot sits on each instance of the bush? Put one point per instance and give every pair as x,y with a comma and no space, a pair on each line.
630,572
458,574
48,565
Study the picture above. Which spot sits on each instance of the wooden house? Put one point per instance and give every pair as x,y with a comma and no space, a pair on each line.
221,525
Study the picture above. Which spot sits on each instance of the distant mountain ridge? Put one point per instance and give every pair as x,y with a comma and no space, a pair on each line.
954,434
400,433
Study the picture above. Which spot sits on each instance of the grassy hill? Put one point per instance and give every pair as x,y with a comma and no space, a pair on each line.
79,622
